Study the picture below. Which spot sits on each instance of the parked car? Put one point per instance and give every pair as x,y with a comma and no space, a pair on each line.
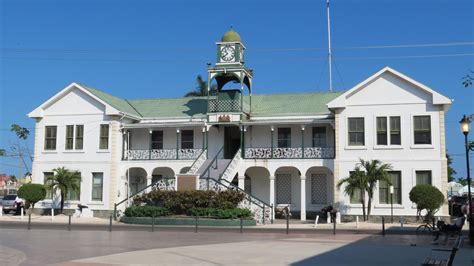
9,203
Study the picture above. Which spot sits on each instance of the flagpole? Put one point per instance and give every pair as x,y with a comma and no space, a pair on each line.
329,46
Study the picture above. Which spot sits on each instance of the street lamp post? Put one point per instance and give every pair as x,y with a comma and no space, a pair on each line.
391,204
465,123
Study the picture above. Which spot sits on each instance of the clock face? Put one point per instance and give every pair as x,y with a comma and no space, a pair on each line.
227,53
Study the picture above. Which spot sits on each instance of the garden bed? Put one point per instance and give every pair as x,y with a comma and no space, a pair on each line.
189,220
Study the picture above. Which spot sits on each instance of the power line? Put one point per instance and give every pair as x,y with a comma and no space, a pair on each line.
289,49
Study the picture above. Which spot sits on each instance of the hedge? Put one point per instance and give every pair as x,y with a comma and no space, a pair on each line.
180,202
146,211
221,213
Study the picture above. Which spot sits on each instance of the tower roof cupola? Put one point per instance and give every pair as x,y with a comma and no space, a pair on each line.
231,36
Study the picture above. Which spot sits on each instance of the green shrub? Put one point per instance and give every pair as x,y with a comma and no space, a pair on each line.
145,211
32,193
221,213
180,202
426,197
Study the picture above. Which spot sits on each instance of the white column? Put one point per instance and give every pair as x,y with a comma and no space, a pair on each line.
303,198
272,194
242,182
148,182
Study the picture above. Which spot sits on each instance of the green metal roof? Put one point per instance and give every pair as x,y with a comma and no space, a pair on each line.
310,103
231,36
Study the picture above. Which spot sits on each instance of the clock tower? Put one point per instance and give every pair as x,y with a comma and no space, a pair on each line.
230,50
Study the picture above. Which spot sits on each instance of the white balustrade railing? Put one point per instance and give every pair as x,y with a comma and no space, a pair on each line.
198,163
290,153
162,154
231,169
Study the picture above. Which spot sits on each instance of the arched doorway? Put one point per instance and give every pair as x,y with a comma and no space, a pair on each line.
257,182
137,179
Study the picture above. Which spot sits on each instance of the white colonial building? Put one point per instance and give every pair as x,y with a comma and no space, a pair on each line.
279,148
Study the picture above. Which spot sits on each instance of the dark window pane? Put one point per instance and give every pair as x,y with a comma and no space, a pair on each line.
284,137
356,131
69,137
50,137
97,186
422,129
157,140
104,137
79,137
319,137
187,139
423,177
382,131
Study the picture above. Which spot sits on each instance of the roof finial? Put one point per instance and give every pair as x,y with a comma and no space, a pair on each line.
231,27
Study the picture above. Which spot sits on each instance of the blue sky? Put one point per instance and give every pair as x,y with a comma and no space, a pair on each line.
143,49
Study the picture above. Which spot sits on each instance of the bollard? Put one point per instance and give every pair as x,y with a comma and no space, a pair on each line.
52,214
334,226
357,222
338,217
196,228
1,210
287,223
401,222
241,224
110,223
29,221
383,225
328,218
69,222
316,221
153,223
21,213
434,224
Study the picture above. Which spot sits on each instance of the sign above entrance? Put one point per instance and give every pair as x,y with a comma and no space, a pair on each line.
223,118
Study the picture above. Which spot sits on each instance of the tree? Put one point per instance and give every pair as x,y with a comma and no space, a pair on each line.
12,178
19,149
355,183
32,193
201,89
451,171
375,171
65,181
3,152
467,80
426,197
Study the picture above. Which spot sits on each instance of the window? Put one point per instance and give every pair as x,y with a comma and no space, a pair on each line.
423,177
49,192
283,188
318,189
73,195
356,197
382,131
319,136
97,186
384,189
284,137
79,137
422,129
356,131
104,137
187,139
69,137
157,140
50,137
395,134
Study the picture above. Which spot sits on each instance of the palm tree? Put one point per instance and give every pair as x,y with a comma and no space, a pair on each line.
355,183
375,171
64,180
201,89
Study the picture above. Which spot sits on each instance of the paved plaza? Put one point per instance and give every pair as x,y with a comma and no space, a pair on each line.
90,243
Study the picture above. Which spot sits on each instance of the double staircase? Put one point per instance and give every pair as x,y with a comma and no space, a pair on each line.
215,174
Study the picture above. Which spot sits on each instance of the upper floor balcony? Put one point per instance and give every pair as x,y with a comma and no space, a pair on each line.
289,153
162,154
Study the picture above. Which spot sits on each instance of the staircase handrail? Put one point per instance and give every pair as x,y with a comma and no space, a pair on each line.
207,170
241,190
136,193
252,199
236,156
204,152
